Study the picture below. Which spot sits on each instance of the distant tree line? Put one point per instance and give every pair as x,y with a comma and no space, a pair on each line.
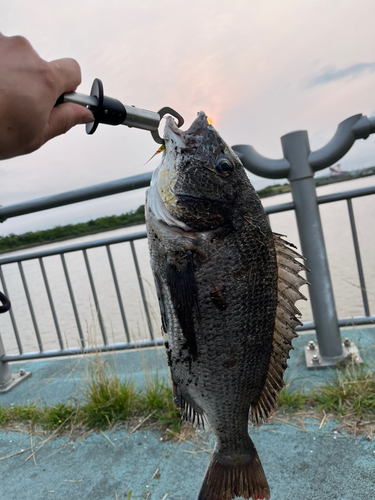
13,241
274,189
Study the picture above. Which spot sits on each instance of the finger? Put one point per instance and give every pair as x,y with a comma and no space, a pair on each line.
67,73
64,117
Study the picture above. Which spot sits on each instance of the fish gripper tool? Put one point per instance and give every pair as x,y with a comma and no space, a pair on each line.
112,112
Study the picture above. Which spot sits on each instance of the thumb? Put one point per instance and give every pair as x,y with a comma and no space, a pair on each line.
64,117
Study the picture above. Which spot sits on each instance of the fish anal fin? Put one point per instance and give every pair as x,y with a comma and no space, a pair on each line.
226,481
289,282
190,411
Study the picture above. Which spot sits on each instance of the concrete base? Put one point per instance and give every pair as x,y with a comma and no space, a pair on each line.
307,459
315,360
16,379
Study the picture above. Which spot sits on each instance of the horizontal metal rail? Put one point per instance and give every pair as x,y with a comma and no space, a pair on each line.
74,248
82,247
74,351
107,242
122,186
75,196
328,198
353,321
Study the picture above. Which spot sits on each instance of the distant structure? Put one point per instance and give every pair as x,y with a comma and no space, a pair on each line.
336,170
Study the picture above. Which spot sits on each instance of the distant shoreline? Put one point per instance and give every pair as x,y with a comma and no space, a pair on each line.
319,181
65,238
24,241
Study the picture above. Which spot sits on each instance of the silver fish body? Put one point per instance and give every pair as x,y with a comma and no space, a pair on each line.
227,328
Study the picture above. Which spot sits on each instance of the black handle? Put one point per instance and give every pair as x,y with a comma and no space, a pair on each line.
6,303
110,111
105,109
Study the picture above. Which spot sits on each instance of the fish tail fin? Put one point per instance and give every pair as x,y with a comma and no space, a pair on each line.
224,481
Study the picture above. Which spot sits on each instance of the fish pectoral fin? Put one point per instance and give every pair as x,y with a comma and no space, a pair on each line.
190,411
184,296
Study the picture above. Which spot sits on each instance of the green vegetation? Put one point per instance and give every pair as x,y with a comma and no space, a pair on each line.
273,190
319,181
344,176
14,241
109,400
50,417
158,398
350,393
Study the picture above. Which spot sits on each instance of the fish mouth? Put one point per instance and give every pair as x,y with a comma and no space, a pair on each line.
191,137
163,197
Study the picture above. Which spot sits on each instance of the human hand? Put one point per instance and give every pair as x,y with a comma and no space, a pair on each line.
29,88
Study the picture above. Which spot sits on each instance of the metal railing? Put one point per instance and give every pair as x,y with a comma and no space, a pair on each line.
299,165
149,337
62,251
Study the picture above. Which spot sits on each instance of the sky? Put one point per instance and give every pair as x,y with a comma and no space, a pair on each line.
259,68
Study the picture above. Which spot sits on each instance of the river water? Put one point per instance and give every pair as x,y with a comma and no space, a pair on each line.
339,245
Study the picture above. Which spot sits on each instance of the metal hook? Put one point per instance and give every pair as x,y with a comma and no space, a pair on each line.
162,112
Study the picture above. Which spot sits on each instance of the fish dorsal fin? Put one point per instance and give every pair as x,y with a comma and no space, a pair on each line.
289,282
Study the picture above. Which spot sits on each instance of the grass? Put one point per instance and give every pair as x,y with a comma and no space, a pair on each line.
349,394
49,417
158,398
108,400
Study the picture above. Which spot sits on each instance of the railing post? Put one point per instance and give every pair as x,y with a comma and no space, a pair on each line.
299,165
301,176
7,380
5,375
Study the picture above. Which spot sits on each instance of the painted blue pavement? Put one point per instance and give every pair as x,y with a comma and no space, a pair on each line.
301,461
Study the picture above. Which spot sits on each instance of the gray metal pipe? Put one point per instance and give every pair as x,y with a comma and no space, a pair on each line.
77,195
73,351
260,165
5,375
313,249
296,150
361,274
355,127
73,248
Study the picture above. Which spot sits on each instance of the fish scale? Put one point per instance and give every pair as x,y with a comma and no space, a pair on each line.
226,287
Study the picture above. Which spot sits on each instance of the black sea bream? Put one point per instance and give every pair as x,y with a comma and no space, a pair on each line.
226,287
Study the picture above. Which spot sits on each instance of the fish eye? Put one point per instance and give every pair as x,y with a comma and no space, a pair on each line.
223,166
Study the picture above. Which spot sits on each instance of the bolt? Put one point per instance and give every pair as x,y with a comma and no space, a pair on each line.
347,342
22,372
311,345
315,359
352,357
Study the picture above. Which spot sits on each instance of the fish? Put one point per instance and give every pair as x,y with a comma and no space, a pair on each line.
226,287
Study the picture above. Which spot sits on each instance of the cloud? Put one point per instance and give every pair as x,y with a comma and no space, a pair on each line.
330,74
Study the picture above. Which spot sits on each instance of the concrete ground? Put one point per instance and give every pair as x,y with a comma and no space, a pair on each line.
300,460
